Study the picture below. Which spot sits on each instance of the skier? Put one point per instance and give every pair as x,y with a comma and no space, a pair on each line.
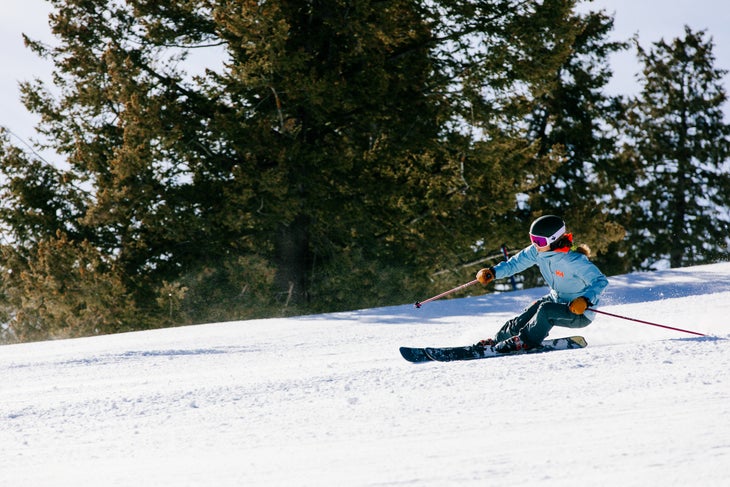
575,285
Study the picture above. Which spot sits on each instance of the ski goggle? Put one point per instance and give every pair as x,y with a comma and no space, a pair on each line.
541,241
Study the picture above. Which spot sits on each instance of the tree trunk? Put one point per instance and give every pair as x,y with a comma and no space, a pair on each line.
292,262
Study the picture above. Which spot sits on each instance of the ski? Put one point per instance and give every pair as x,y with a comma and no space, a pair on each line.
474,352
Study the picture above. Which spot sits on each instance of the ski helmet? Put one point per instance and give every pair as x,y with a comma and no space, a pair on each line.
546,230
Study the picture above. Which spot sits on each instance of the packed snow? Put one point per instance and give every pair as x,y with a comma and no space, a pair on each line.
327,399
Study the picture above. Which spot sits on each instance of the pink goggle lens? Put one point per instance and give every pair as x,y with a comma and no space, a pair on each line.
538,240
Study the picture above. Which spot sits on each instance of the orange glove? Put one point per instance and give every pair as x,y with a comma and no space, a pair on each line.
485,276
578,305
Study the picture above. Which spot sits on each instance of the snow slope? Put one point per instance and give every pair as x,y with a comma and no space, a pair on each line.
327,400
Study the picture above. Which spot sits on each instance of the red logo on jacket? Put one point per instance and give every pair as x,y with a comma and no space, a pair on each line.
560,273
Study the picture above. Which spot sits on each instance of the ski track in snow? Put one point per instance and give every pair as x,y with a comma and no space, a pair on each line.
327,399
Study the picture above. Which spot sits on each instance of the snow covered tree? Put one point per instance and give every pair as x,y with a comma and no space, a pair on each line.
677,178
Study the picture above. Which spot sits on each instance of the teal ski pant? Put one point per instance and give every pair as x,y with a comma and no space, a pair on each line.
536,321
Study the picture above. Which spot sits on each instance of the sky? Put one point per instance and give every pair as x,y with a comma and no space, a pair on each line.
327,400
18,63
651,19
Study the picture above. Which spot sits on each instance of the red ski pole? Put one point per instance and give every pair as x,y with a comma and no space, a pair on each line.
647,322
459,288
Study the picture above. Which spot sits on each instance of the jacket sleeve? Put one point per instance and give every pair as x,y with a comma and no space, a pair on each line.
597,282
524,259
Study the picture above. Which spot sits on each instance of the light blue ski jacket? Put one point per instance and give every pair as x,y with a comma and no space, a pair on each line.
568,274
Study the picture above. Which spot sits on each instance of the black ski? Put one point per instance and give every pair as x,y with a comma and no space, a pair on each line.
473,352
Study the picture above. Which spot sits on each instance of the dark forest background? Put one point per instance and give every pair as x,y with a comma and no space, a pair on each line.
340,154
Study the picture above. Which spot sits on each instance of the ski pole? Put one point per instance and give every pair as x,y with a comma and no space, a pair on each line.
506,257
458,288
647,322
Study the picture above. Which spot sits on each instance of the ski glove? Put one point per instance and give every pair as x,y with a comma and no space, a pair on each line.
485,276
579,305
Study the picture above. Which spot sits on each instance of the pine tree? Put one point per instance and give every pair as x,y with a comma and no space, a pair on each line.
574,117
508,56
339,153
679,147
121,207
